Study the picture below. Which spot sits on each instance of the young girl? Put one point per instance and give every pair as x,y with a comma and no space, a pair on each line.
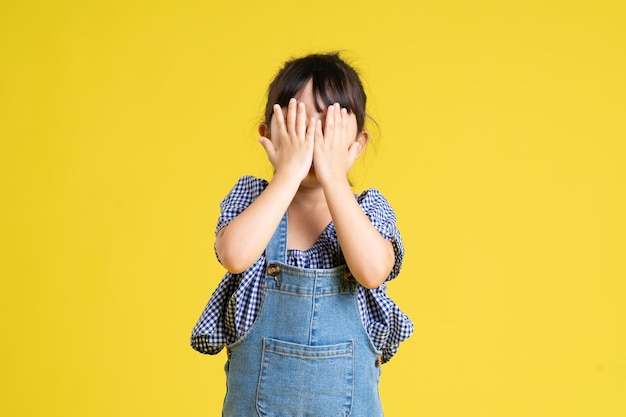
303,309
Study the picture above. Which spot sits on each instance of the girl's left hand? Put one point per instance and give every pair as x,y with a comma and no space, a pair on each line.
337,147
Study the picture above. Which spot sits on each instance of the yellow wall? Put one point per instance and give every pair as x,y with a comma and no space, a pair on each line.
501,146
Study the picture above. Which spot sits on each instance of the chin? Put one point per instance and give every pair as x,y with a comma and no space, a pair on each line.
310,180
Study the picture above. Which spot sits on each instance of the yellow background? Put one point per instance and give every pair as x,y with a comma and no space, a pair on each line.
501,145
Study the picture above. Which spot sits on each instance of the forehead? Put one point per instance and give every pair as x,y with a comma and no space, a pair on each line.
310,97
306,92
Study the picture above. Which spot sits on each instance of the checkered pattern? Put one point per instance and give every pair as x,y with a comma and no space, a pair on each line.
235,304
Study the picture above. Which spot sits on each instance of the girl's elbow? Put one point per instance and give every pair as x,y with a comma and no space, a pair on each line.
235,268
232,262
375,272
373,275
374,280
227,255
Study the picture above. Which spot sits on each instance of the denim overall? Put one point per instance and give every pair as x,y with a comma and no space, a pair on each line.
307,354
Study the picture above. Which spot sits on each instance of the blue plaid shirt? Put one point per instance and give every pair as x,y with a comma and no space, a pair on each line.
224,320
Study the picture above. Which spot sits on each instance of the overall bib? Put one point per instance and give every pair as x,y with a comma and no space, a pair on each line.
307,354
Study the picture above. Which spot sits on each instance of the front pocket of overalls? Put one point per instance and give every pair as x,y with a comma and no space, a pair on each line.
305,381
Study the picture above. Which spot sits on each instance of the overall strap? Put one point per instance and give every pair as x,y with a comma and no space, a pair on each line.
276,250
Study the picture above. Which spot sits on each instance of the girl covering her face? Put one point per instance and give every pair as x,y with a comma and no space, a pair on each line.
303,308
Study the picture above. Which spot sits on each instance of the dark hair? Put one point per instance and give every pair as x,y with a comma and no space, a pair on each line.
334,81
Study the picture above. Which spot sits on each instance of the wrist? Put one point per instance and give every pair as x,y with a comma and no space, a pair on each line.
286,178
335,183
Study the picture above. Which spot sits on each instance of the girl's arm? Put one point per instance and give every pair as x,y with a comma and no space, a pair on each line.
239,244
369,256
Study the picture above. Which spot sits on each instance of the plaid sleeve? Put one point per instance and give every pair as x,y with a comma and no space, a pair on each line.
211,332
247,189
386,324
382,216
234,305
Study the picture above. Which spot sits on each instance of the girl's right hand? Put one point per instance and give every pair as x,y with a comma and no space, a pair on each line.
290,148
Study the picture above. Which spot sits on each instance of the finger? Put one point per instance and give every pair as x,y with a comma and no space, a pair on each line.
353,150
319,135
310,129
280,119
292,109
301,124
269,148
329,127
338,122
344,123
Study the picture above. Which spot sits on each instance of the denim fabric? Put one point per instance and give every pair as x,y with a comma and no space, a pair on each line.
308,354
